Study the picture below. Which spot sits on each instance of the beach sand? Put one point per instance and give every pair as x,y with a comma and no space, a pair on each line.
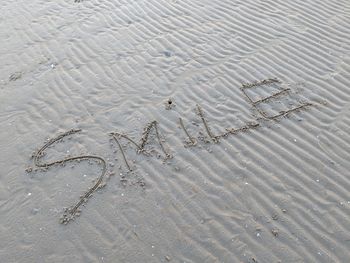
275,192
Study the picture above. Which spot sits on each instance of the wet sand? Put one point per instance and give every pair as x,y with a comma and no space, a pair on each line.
243,177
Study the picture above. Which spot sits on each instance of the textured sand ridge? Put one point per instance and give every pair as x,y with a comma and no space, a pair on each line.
275,192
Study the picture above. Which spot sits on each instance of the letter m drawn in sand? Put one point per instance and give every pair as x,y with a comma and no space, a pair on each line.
142,143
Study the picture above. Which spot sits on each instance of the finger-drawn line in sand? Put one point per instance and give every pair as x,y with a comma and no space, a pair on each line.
70,213
191,140
256,103
121,150
143,141
214,138
245,128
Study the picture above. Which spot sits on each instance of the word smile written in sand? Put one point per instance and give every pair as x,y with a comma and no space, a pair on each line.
73,211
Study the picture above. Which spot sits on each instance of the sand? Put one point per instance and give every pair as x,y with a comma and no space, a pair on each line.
276,192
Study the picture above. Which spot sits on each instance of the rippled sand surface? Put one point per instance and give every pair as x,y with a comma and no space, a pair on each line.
277,191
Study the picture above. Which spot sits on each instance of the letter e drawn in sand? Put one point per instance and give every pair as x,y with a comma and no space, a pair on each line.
70,213
256,103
